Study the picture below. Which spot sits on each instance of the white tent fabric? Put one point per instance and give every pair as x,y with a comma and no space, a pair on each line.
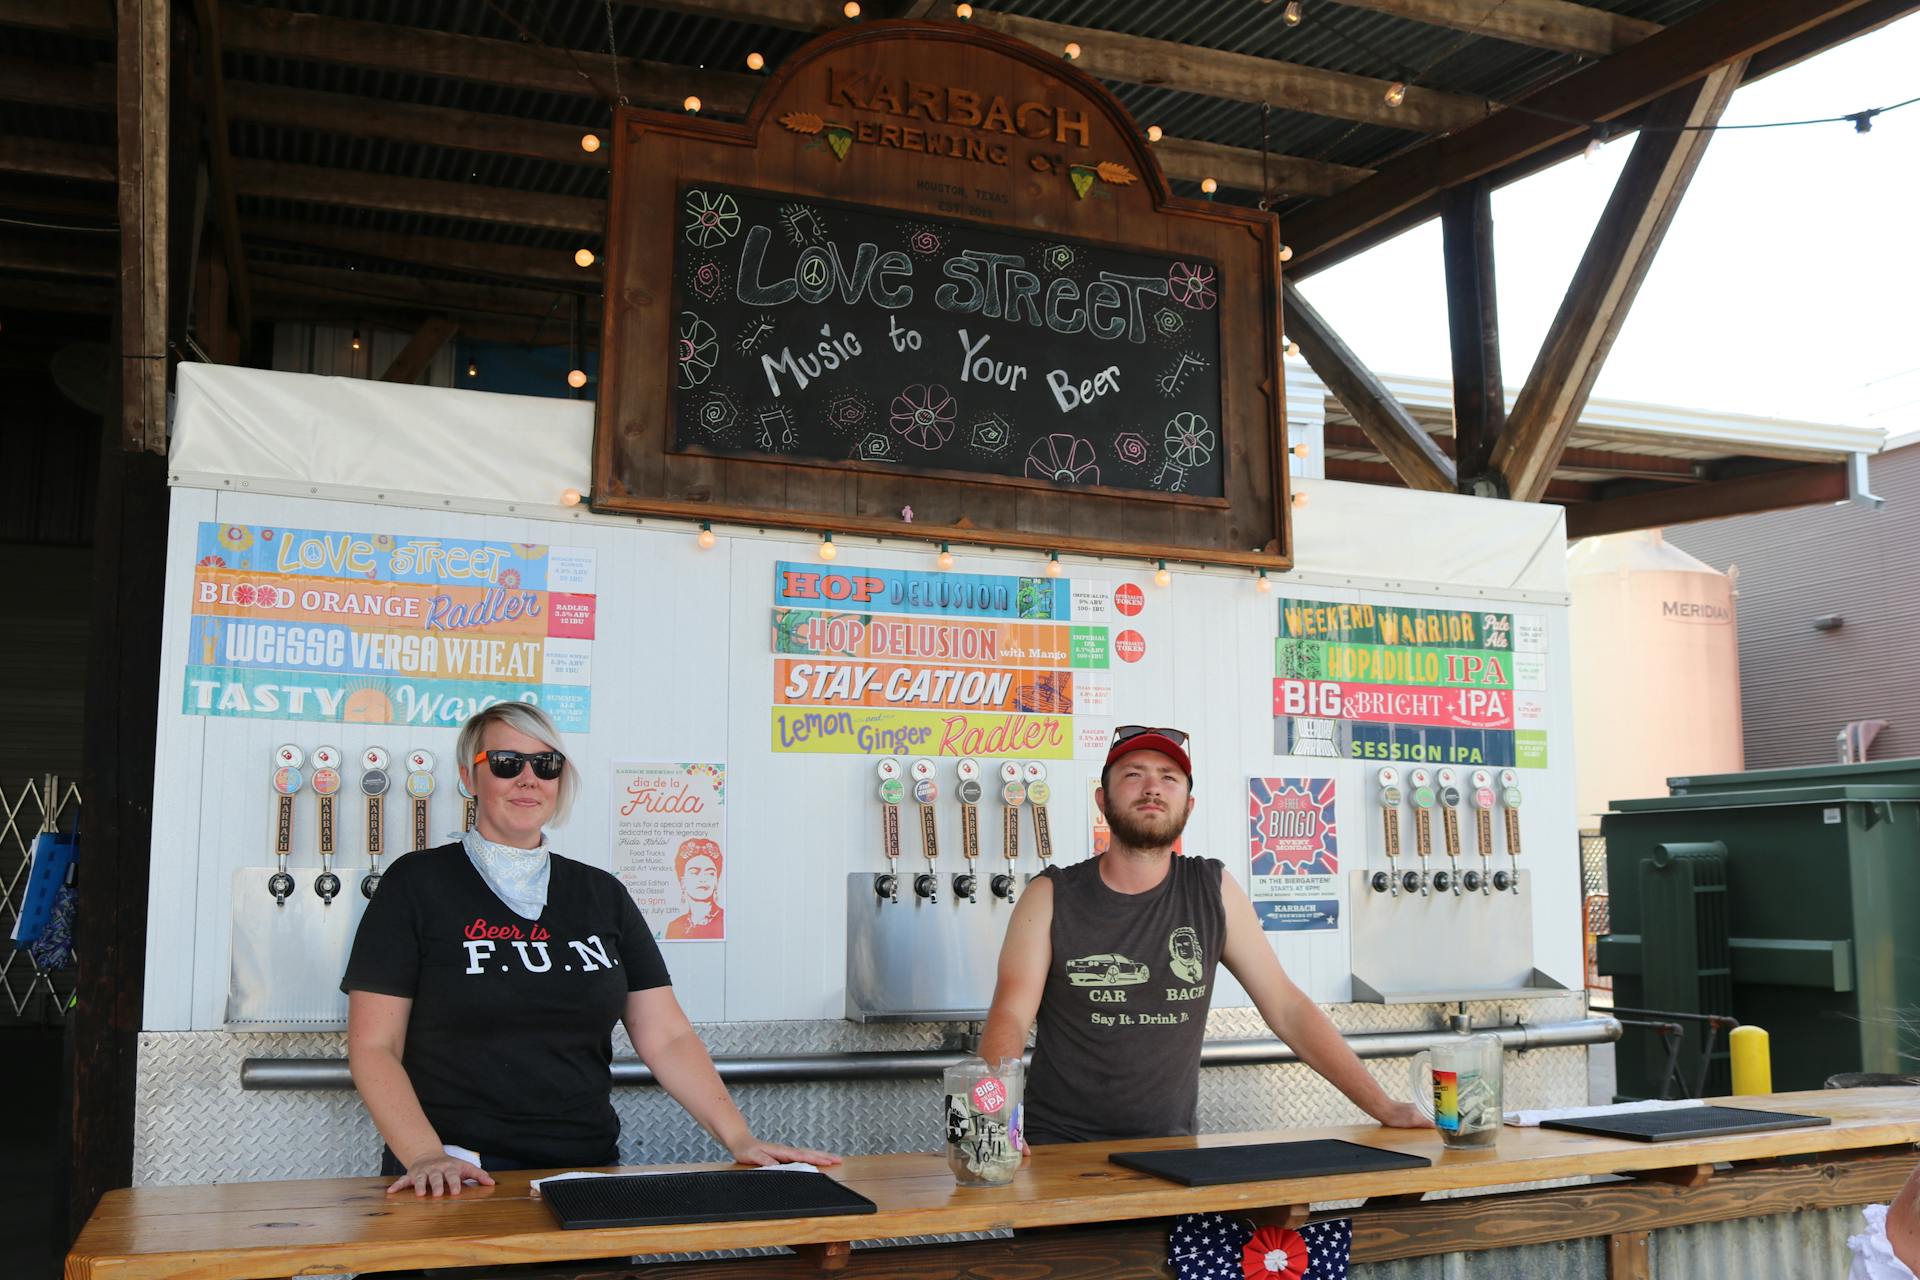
345,437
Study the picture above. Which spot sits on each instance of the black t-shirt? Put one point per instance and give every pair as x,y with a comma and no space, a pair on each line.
510,1041
1124,1010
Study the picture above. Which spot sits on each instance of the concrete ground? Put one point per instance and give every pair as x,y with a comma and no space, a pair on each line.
30,1069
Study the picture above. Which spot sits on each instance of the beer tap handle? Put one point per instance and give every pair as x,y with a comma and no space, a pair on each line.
374,783
287,781
326,785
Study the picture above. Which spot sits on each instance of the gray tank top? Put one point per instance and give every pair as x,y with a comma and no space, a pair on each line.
1125,1005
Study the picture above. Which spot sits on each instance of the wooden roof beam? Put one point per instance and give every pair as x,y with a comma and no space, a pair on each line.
1767,491
315,184
1129,59
305,37
1543,24
374,248
1623,246
1402,441
1355,471
1242,77
1730,31
412,360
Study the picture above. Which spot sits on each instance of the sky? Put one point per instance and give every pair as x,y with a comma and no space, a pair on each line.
1788,284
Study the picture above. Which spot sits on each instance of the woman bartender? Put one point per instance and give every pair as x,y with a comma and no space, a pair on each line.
486,978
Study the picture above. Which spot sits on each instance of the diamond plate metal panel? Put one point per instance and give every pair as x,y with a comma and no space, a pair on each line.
195,1124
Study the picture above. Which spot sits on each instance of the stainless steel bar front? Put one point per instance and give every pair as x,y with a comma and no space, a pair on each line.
331,1073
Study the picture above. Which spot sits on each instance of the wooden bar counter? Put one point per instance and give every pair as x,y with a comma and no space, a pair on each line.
268,1229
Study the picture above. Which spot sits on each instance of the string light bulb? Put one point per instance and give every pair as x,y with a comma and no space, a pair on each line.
355,343
1160,576
1396,93
1261,584
1301,450
590,142
1153,133
473,368
851,8
1053,564
945,558
706,538
1072,51
1300,499
583,257
756,60
576,378
691,106
827,550
964,12
1292,18
1208,186
1293,348
569,497
1286,253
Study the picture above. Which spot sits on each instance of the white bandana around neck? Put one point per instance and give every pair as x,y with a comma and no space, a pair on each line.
518,877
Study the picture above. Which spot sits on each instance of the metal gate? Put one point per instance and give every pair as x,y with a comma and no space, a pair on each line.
27,993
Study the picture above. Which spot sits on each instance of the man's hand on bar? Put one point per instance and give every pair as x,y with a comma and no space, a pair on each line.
1403,1115
438,1173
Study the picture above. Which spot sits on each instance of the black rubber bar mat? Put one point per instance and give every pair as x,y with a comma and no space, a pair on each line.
1265,1161
719,1195
1685,1122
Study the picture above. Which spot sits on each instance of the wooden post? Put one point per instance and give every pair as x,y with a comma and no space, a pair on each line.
220,172
1627,1256
1479,401
123,675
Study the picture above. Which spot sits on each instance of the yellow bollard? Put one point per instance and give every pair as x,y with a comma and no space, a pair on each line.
1752,1061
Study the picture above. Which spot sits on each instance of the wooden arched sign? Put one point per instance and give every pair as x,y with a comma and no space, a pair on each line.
935,268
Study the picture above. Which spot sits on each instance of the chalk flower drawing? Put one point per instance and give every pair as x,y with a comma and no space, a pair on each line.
923,415
1189,440
711,220
1191,285
698,348
1063,459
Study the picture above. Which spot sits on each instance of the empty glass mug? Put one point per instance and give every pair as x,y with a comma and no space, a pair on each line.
1464,1089
983,1121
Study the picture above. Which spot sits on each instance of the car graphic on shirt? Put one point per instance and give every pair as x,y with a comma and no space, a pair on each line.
1105,971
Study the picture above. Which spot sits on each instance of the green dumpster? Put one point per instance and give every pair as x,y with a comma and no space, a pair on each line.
1786,898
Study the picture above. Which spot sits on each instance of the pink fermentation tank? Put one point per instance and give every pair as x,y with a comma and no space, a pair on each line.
1656,669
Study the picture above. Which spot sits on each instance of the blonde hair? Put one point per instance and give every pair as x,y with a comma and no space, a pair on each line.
526,718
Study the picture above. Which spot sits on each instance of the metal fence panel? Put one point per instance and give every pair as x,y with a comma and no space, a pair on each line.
27,993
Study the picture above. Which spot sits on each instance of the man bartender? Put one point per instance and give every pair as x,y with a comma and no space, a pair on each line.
1116,957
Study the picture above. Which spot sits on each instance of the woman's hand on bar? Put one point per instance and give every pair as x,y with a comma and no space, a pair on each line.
750,1150
437,1173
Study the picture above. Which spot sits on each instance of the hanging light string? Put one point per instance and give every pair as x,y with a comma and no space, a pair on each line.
1860,120
613,51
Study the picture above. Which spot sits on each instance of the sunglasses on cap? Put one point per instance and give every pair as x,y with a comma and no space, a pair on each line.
507,764
1123,732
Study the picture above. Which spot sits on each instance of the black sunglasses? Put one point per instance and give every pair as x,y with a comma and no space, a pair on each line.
507,764
1121,733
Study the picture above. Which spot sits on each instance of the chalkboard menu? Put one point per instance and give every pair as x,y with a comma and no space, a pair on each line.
809,330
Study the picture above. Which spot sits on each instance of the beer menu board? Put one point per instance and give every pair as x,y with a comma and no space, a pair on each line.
806,329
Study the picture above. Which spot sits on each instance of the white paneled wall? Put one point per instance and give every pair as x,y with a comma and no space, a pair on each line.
683,670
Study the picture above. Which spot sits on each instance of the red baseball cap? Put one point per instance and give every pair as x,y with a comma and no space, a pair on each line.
1171,743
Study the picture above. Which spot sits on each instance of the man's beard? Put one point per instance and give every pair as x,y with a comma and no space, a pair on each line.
1147,833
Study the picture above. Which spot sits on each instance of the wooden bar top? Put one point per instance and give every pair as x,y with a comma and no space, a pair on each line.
265,1229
